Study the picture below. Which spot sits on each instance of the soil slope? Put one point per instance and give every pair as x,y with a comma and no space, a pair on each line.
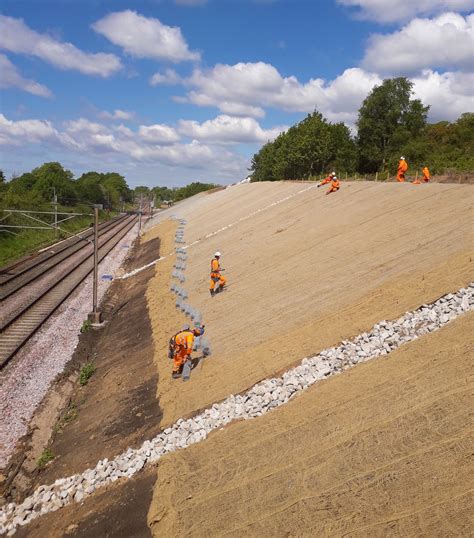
304,274
382,450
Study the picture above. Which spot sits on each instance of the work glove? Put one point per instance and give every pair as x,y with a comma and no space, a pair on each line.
318,186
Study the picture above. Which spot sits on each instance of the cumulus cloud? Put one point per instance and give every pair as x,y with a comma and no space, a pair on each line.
446,41
169,77
229,130
245,88
17,37
152,144
117,114
159,134
388,11
16,133
144,37
11,78
449,94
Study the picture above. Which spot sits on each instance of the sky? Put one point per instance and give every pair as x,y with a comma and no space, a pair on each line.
167,92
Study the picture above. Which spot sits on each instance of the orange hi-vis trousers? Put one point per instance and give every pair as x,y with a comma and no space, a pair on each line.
217,278
179,358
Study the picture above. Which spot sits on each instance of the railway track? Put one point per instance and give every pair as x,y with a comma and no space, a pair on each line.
17,327
21,273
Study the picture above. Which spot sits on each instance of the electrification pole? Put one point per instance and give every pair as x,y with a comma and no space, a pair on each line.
95,315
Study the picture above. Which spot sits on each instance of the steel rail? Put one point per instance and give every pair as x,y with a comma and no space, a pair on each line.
17,331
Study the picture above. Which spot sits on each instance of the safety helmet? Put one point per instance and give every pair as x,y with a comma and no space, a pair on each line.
333,173
217,254
402,158
198,331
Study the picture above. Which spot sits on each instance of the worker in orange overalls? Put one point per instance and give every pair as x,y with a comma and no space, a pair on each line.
335,185
426,174
402,168
328,179
181,346
216,276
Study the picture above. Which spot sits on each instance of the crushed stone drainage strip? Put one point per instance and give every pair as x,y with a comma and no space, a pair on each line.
384,337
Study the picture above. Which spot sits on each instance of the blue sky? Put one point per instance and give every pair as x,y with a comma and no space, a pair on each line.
172,91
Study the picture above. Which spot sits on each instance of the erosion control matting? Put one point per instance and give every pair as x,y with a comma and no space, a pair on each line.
383,449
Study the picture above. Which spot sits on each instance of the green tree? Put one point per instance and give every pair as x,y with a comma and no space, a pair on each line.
52,177
388,119
89,188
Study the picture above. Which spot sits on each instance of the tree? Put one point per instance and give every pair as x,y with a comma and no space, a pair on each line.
307,149
388,119
52,177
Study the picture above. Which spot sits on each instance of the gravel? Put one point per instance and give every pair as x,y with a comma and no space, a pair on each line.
384,337
25,380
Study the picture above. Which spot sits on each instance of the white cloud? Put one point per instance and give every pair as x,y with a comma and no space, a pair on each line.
144,37
117,114
169,77
11,78
148,145
228,130
245,88
387,11
449,94
444,42
16,133
159,134
17,37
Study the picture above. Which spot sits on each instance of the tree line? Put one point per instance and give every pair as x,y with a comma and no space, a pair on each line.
175,194
390,124
51,181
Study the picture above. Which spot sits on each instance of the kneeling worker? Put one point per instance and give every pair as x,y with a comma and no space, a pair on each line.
181,346
335,185
216,276
328,179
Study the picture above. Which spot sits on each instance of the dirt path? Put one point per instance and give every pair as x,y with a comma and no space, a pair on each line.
306,273
380,450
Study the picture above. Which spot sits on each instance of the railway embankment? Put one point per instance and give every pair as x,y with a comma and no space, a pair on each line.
357,274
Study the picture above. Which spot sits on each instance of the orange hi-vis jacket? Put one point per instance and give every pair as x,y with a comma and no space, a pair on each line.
335,184
426,174
184,342
402,166
215,267
326,180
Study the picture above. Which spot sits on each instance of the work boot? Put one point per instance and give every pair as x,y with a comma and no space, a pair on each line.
175,375
212,293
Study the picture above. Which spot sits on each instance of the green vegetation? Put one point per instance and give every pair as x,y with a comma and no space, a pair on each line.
37,190
46,456
69,415
165,194
86,325
390,124
86,372
306,150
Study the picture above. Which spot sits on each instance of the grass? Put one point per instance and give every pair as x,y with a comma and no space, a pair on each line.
69,416
13,247
86,372
45,458
86,325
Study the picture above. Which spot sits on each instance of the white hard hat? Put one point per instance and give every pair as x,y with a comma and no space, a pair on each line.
402,158
333,173
217,253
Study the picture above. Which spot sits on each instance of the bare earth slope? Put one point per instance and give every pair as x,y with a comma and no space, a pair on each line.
305,273
382,450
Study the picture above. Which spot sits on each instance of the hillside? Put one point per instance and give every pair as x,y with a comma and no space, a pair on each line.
304,274
380,448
